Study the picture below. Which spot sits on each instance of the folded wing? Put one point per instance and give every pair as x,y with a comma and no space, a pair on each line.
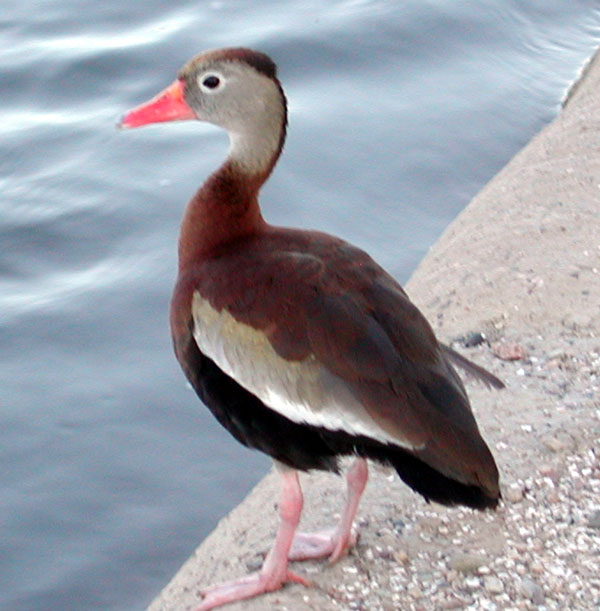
321,334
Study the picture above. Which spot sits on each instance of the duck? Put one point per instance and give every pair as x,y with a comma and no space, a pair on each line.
298,342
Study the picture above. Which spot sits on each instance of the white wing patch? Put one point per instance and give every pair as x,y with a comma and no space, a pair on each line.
302,391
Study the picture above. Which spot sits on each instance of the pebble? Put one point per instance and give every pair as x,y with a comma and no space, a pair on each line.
546,470
255,563
594,520
414,591
532,591
471,339
401,557
537,567
493,585
514,493
554,444
467,563
508,351
472,583
386,554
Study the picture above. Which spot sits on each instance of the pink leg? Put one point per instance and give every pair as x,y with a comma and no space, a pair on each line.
335,542
274,572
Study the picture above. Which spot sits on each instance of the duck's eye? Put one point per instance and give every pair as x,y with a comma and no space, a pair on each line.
211,81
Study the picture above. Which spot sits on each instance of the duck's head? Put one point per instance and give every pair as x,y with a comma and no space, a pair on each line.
236,89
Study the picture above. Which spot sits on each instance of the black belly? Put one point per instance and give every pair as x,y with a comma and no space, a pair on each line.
254,424
304,446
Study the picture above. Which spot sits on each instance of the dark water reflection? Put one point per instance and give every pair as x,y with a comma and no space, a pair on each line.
400,111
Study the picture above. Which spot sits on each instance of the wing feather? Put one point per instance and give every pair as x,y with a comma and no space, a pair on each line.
341,327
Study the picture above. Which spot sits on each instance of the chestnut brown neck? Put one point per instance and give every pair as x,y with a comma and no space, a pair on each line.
226,207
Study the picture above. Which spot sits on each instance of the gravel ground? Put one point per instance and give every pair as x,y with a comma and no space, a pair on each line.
541,549
515,283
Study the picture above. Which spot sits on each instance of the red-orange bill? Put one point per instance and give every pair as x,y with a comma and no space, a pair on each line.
168,105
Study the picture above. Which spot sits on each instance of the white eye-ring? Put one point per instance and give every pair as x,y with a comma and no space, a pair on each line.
210,82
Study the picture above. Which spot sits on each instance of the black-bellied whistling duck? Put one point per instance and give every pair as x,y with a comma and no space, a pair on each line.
298,342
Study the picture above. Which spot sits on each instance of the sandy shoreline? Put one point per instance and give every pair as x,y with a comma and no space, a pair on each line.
520,264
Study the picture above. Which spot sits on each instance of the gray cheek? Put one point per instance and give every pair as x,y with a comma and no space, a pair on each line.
193,95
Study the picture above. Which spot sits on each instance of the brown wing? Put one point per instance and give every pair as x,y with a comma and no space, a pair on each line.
319,302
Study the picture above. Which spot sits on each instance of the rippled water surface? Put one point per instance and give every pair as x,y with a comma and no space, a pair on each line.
112,471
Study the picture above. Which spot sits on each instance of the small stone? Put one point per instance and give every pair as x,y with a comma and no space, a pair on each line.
429,522
508,351
594,520
471,339
401,557
554,444
472,583
546,470
467,563
386,554
537,567
255,563
514,493
532,591
493,585
414,591
557,353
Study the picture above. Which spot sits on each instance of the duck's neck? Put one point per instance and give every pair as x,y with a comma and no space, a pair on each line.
226,207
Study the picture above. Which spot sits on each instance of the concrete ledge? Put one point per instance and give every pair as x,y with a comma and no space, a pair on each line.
521,264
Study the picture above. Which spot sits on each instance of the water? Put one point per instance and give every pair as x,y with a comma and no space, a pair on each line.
112,472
